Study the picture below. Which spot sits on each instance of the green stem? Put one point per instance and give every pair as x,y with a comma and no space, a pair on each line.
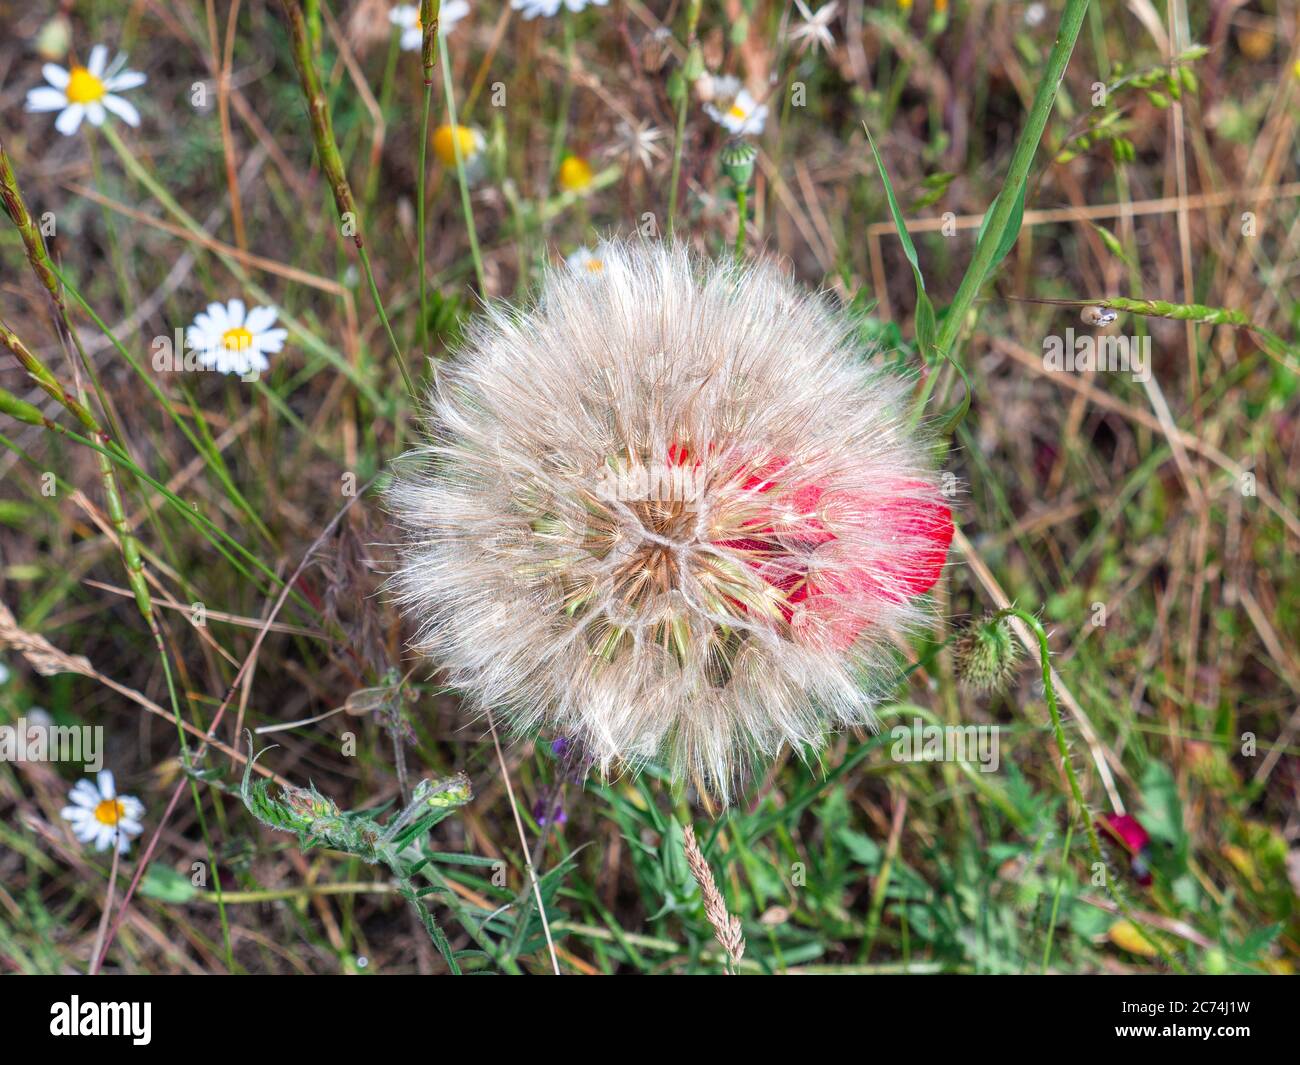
693,61
1058,730
742,213
999,213
419,214
465,204
327,150
1056,898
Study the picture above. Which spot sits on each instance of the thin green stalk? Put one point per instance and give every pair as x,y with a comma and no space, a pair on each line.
465,204
694,66
127,543
1000,213
742,213
327,150
1058,730
419,211
1056,898
561,132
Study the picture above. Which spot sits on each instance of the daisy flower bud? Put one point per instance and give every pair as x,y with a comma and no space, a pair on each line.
987,653
669,512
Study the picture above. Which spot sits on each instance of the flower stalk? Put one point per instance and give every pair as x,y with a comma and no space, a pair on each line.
990,247
1076,792
322,132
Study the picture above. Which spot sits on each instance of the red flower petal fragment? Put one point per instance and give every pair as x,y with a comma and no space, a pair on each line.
926,530
1126,830
1129,833
833,604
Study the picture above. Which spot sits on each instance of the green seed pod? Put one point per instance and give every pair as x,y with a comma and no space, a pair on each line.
20,409
986,654
1158,99
737,161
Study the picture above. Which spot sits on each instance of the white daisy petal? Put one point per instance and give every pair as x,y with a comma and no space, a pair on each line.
272,340
98,60
72,814
107,784
218,317
69,120
55,75
411,39
84,794
43,98
95,113
726,86
260,319
128,79
235,310
129,826
132,807
124,110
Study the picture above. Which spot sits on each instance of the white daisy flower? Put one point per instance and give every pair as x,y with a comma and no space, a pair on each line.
229,340
87,92
586,262
734,108
99,815
531,9
407,18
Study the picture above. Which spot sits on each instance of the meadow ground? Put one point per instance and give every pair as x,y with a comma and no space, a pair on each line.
188,552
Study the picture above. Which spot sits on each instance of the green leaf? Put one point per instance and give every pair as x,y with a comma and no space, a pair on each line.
1007,238
1162,811
909,249
926,328
165,884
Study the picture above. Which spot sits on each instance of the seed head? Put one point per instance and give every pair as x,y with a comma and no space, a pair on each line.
987,653
668,512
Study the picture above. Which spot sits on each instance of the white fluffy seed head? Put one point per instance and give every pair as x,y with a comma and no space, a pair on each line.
669,512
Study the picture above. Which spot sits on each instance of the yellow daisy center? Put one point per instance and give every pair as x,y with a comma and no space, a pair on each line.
447,138
736,111
109,812
84,87
595,266
237,339
575,174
